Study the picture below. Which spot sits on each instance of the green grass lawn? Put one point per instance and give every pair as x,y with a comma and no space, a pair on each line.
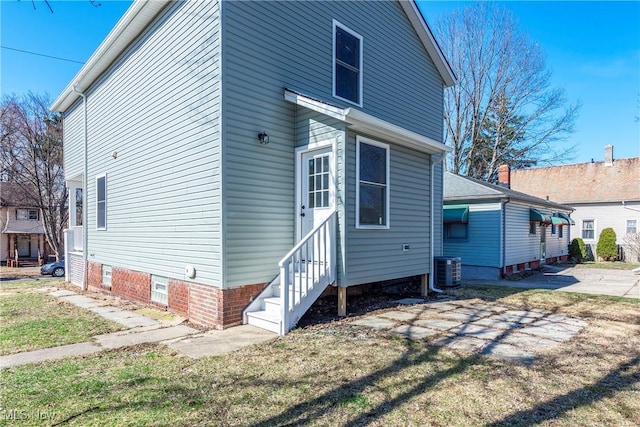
338,374
32,320
608,265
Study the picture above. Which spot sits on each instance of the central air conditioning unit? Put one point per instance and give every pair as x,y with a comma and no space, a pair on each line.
448,271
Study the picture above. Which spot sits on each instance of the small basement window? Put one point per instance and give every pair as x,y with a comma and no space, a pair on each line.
160,290
106,275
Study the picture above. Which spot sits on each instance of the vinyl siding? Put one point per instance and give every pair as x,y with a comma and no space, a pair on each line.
557,246
73,136
520,245
373,254
483,243
401,86
158,107
400,83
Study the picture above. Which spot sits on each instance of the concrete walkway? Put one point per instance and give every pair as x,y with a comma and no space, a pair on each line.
141,329
488,329
594,281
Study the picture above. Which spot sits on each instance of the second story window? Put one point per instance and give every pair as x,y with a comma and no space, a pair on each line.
347,64
632,226
27,214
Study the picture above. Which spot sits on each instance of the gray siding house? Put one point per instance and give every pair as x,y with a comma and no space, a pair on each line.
497,231
237,158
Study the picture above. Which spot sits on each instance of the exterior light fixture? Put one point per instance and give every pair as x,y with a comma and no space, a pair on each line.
263,138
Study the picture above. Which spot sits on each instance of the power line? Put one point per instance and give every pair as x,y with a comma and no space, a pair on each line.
41,54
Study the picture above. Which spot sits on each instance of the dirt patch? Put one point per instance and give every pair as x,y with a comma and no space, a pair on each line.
363,300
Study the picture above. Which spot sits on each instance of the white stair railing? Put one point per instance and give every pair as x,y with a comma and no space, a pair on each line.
306,271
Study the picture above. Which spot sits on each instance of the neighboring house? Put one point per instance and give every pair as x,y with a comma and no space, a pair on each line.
603,194
228,143
22,231
497,231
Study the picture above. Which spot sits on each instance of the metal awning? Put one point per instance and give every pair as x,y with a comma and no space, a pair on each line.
557,220
537,216
567,218
455,214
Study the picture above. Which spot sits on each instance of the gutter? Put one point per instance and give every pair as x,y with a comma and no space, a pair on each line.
85,181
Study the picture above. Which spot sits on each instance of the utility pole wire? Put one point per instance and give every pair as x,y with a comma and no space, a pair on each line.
41,54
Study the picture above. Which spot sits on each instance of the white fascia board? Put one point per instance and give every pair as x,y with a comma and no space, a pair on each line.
366,123
129,27
428,41
315,105
374,126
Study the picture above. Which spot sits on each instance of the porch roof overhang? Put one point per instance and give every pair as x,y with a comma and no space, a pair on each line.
455,214
537,216
360,121
18,231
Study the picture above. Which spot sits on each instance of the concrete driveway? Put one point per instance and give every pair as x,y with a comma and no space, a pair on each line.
596,281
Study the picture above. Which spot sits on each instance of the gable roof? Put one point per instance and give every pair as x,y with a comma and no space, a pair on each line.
142,13
463,188
582,182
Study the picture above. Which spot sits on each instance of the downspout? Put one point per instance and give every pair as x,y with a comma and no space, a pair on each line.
85,181
434,160
504,232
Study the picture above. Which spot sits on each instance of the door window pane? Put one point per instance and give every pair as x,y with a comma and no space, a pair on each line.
318,192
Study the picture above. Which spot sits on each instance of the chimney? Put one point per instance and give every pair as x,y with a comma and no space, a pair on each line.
608,155
504,175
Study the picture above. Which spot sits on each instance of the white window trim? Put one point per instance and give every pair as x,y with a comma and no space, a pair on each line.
102,175
626,224
333,62
360,139
595,228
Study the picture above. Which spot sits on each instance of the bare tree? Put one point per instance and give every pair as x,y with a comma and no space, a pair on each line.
94,3
31,157
631,243
498,68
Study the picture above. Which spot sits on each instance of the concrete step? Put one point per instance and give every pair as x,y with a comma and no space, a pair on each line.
265,320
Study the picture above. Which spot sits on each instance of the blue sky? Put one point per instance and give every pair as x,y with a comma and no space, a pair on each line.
593,49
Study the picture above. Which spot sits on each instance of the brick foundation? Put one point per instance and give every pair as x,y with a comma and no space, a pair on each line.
94,274
131,285
202,304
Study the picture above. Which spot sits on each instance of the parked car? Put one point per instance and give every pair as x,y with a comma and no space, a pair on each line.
55,269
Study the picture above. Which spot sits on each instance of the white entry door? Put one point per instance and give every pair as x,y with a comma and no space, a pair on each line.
316,190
